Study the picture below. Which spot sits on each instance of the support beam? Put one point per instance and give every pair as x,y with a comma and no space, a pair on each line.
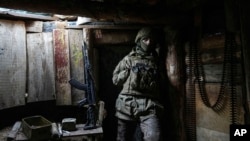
98,10
245,34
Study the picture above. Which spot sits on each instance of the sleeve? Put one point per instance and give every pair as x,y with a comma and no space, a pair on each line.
121,72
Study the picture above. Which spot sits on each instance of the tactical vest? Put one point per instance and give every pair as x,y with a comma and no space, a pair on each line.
143,76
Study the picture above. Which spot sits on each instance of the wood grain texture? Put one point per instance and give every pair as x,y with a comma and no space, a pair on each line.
41,82
62,65
76,61
12,63
34,26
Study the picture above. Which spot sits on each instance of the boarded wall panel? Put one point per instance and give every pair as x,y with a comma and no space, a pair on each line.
41,82
62,66
213,73
12,63
34,26
216,41
102,37
76,61
218,121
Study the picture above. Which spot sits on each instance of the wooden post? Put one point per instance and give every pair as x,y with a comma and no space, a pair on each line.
176,87
245,34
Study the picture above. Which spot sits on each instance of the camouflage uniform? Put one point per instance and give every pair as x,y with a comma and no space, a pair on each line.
138,73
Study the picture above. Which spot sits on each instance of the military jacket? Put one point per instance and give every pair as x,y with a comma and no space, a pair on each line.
138,73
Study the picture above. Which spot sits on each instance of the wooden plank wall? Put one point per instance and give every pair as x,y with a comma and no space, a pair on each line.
76,62
37,61
41,82
62,65
12,63
212,56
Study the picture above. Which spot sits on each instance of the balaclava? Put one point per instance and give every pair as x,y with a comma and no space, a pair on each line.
145,33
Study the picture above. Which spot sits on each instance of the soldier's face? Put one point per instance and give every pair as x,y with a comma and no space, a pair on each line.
147,44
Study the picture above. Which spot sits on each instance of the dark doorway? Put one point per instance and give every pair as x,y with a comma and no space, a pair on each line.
109,56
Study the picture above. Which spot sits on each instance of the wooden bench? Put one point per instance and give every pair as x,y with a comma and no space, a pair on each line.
81,135
87,135
16,134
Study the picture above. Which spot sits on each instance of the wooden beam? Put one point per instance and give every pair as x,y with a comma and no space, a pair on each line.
27,15
245,34
100,26
97,10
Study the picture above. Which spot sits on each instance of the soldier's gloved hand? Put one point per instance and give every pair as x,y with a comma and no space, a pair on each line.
135,69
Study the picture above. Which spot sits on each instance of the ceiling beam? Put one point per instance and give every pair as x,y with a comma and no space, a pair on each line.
130,13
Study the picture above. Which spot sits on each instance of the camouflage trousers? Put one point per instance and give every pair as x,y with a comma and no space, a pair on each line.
132,111
149,130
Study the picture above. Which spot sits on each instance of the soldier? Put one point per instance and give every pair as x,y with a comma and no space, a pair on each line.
138,73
